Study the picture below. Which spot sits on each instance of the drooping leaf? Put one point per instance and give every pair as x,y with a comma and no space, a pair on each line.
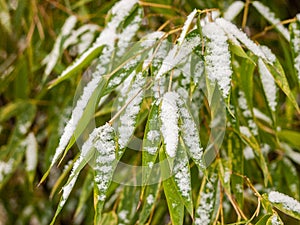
105,163
174,201
208,198
270,16
233,10
295,44
151,142
284,203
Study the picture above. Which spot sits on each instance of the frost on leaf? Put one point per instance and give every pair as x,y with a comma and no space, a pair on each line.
269,85
270,16
217,57
169,118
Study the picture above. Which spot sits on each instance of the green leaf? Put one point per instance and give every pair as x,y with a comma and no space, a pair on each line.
182,177
127,208
280,78
85,192
274,219
109,218
149,198
263,220
108,37
239,51
151,142
290,136
174,201
208,202
291,177
190,134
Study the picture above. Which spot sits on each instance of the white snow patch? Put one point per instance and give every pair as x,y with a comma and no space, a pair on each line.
248,153
5,168
269,85
217,57
231,29
150,199
31,152
233,10
169,117
287,202
186,26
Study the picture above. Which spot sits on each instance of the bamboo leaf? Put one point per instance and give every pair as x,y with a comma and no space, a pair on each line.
208,199
295,44
108,37
217,57
284,203
270,16
174,201
182,177
169,118
233,10
274,219
151,142
105,163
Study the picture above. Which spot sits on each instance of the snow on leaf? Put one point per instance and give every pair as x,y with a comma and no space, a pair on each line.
51,59
205,210
104,164
233,10
128,117
5,168
217,57
231,29
178,53
295,43
269,85
190,134
186,26
285,203
270,16
31,152
182,177
76,115
169,118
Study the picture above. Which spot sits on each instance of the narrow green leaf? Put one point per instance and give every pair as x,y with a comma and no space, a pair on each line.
239,51
85,193
290,136
129,199
263,220
149,198
291,177
280,78
109,218
182,177
151,142
174,201
208,198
